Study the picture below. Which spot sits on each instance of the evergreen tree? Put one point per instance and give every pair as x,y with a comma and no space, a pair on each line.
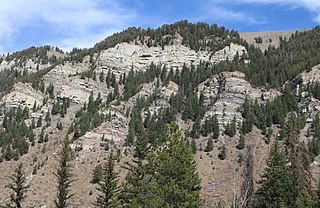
301,193
172,180
242,143
18,186
174,172
108,187
97,174
216,130
231,129
196,128
275,190
223,153
209,146
64,175
39,123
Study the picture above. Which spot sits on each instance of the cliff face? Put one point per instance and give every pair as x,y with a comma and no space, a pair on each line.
127,56
229,90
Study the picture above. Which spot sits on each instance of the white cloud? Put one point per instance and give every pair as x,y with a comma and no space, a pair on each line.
220,13
313,6
77,22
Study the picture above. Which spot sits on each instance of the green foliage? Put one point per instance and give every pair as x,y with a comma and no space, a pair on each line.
242,143
194,146
231,129
223,153
39,122
195,132
283,185
277,65
271,112
170,178
37,54
14,134
18,186
50,91
211,125
240,158
314,143
209,146
59,125
64,175
97,174
275,185
258,40
316,90
88,117
108,185
192,34
34,170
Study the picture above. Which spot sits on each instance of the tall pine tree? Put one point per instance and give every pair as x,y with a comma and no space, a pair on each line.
108,185
18,186
64,175
273,192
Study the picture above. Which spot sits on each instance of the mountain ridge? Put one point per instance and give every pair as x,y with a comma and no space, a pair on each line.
103,105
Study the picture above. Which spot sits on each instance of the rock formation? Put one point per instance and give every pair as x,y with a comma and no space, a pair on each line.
126,56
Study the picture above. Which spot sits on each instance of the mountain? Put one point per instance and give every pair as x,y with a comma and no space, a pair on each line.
218,85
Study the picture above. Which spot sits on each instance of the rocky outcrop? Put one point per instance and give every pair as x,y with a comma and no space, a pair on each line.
229,91
228,52
305,78
68,83
171,89
308,104
23,95
127,56
28,65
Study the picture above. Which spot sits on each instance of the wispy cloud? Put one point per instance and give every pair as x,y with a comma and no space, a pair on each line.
313,6
216,12
80,23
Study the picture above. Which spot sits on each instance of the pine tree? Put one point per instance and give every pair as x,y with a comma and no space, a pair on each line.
167,178
108,187
39,122
275,185
64,175
242,143
209,146
97,174
18,186
223,153
216,130
301,193
174,181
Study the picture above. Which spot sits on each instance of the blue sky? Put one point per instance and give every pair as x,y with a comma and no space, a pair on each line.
82,23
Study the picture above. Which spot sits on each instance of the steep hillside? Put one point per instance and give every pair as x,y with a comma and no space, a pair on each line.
230,100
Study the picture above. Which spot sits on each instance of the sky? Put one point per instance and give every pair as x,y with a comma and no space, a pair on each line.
82,23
